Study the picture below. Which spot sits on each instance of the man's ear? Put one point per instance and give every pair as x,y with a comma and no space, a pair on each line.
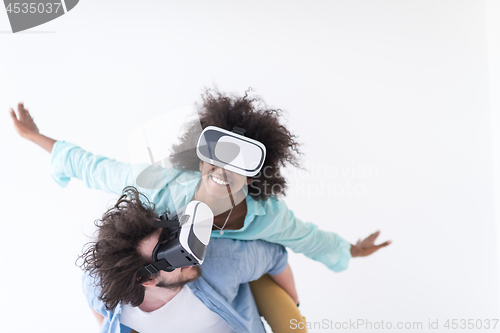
149,283
201,165
249,180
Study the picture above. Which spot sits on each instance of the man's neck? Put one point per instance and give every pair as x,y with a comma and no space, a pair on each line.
156,297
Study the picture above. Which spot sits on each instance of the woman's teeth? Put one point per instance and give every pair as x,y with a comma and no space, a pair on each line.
219,181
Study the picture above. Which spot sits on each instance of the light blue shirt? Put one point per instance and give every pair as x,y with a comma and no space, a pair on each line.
269,220
222,287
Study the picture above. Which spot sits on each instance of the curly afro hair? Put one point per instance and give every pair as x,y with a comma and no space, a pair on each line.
260,122
114,260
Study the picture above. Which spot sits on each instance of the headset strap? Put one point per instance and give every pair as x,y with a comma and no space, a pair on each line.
168,224
155,268
238,130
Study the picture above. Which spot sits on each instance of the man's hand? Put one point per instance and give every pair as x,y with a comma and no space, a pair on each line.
367,246
26,127
23,123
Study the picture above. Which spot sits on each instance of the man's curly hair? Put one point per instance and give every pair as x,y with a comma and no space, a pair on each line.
114,259
260,123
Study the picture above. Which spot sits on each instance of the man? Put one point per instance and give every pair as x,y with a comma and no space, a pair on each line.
215,298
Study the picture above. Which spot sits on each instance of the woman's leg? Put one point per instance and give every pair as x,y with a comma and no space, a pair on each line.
276,306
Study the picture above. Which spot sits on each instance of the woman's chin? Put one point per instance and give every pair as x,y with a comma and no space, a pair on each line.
218,193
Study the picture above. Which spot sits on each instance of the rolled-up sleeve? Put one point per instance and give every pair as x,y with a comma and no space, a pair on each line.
91,292
111,320
263,258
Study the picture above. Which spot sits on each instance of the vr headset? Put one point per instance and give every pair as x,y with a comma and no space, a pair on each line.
183,240
231,151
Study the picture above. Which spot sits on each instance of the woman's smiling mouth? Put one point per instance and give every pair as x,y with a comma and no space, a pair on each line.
219,181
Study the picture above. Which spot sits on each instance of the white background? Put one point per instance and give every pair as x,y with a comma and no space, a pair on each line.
407,87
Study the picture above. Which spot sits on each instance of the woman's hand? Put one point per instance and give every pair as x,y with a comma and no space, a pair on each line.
23,123
367,246
26,127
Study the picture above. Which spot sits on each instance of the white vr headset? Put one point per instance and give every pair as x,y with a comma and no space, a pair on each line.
231,151
183,241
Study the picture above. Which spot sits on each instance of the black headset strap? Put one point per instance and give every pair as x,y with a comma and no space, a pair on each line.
169,224
239,130
154,268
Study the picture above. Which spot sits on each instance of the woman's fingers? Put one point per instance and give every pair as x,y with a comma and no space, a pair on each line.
384,244
373,237
13,114
21,111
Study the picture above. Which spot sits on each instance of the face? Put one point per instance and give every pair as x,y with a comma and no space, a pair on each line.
217,182
170,280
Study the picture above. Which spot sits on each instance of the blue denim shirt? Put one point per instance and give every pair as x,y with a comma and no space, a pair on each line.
269,220
222,287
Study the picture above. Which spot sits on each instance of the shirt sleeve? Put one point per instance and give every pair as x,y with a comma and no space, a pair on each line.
323,246
91,291
99,172
263,258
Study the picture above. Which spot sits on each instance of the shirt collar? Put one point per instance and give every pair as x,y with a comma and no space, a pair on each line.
254,207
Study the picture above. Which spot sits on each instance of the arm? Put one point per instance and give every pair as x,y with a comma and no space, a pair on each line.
279,225
98,316
261,258
97,172
70,161
283,227
91,292
285,280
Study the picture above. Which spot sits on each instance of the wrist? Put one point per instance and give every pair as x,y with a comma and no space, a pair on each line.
32,136
42,141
